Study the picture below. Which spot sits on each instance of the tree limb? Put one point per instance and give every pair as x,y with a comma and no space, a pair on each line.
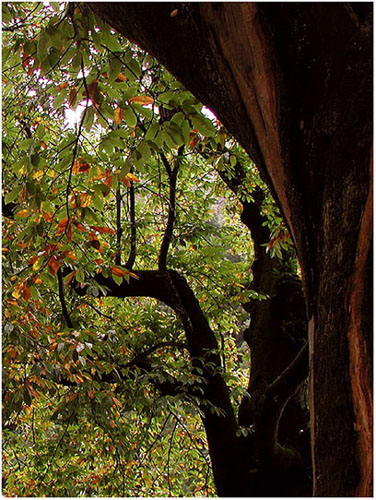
276,397
172,174
119,229
132,209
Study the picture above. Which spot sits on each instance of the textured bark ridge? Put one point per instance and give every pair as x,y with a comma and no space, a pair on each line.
293,83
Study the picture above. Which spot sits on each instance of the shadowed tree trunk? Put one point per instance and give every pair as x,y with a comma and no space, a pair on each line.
293,83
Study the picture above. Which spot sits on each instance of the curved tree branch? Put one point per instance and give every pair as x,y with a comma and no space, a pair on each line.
172,174
275,399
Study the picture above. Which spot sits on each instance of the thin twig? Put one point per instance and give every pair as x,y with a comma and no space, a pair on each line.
168,459
54,453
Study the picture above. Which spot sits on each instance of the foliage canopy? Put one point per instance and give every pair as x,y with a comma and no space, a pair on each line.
111,168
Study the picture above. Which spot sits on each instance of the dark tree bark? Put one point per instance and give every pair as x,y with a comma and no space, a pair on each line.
293,83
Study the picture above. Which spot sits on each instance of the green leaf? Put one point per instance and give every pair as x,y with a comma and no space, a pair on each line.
42,46
175,132
114,68
58,101
118,279
41,131
89,118
203,125
12,195
129,116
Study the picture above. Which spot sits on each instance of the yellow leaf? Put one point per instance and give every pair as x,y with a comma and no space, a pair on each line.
118,115
16,293
85,200
132,177
144,100
38,263
38,175
78,379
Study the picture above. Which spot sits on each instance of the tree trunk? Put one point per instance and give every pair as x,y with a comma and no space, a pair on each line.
293,83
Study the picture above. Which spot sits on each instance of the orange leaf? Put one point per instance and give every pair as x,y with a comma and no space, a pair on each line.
80,166
130,178
33,259
47,216
118,115
53,265
85,199
193,134
70,254
174,13
43,144
99,175
117,271
69,278
62,225
144,100
121,78
108,180
133,275
94,242
103,230
80,227
73,96
23,213
92,88
78,379
62,86
117,402
26,291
